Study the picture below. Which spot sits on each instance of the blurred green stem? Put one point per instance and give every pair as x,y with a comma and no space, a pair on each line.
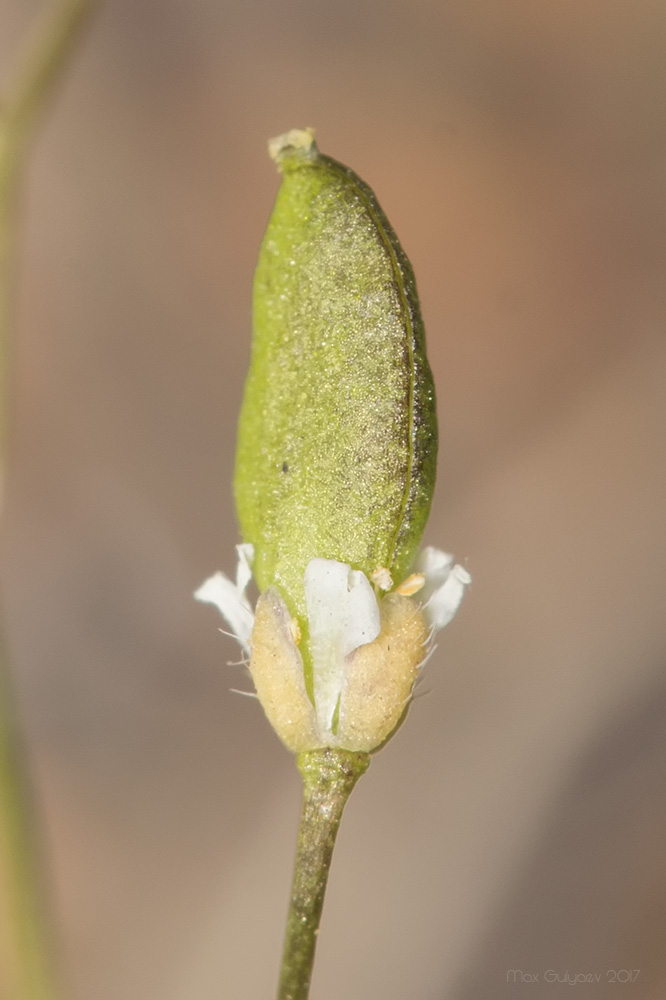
39,66
25,960
329,777
25,952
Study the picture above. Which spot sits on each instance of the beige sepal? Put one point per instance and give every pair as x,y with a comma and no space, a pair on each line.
379,676
377,685
277,671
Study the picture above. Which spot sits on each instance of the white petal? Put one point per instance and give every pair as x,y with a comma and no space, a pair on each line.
231,603
244,568
343,614
445,601
435,566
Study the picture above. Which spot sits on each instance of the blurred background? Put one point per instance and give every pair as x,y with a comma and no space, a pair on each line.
518,820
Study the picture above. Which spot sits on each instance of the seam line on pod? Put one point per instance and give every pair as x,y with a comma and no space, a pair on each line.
395,266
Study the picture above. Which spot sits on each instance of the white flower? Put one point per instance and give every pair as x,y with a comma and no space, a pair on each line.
343,614
231,598
365,654
444,586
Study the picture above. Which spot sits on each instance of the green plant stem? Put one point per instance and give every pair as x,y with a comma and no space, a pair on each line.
328,779
26,966
45,57
26,961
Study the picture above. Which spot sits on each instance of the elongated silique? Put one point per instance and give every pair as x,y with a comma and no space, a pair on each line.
337,440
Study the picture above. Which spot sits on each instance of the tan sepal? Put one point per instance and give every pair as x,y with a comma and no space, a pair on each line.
277,671
380,676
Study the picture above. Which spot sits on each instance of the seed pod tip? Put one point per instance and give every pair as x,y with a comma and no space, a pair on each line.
294,146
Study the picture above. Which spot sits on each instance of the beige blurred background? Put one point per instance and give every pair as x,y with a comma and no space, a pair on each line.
518,821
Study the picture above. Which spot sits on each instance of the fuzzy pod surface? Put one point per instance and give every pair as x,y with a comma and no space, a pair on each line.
337,439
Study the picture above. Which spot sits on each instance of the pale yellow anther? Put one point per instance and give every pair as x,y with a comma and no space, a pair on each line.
382,578
411,585
295,629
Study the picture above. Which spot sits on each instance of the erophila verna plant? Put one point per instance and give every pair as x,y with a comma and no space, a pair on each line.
335,472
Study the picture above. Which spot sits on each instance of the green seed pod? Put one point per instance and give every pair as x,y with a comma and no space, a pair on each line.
338,436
